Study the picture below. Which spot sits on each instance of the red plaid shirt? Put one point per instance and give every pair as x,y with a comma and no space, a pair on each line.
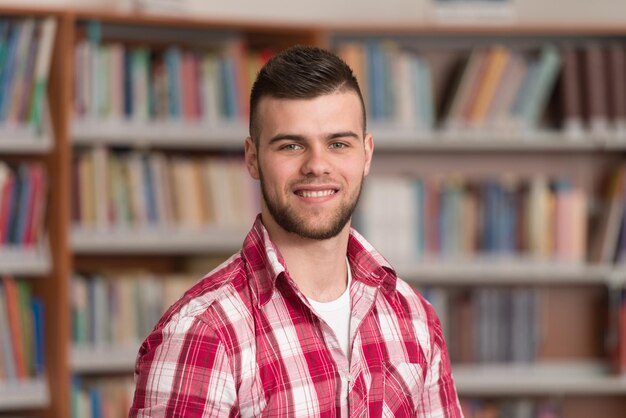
244,342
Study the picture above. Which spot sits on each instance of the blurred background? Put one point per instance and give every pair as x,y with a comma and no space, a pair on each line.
497,189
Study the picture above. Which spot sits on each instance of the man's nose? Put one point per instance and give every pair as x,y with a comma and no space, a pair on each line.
316,162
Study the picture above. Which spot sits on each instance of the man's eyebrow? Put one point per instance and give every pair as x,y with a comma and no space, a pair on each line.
343,134
302,138
286,137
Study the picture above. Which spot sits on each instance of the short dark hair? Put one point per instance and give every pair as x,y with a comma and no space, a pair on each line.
301,72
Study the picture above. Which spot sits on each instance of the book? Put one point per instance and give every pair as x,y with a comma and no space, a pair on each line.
496,62
20,63
596,89
540,89
604,247
38,313
16,327
6,342
617,91
571,81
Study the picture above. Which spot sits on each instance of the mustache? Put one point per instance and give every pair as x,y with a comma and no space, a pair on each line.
314,181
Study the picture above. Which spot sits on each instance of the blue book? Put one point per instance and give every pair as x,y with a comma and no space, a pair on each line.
95,396
38,343
94,32
4,43
14,209
148,178
230,104
523,93
491,214
9,71
21,220
376,79
388,54
174,89
128,83
507,233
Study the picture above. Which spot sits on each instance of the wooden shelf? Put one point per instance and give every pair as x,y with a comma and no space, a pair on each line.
25,261
161,134
388,139
21,140
158,241
559,378
504,271
28,394
109,359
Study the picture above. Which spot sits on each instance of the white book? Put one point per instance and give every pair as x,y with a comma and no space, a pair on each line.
210,88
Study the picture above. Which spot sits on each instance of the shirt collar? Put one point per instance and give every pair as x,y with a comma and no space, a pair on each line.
265,263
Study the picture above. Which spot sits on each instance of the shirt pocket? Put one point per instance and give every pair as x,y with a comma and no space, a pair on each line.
403,385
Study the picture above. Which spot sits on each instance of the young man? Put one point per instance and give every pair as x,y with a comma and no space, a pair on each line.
307,319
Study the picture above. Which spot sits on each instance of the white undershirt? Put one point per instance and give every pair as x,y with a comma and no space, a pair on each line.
337,315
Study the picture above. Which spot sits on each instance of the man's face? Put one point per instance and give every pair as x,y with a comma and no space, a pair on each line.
311,158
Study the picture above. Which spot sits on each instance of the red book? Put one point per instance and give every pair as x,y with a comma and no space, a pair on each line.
5,209
36,204
237,51
13,314
189,87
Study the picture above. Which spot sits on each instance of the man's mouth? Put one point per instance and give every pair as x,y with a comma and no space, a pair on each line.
316,193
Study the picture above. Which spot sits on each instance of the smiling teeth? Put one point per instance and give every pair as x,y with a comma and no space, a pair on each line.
321,193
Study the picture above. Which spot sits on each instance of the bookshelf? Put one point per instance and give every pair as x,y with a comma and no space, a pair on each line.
578,377
221,240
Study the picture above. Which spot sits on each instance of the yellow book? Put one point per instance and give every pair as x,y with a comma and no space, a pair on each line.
496,62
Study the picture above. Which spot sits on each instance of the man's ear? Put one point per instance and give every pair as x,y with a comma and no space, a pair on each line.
369,152
251,158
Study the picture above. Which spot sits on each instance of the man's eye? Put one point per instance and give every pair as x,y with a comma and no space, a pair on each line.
291,147
337,145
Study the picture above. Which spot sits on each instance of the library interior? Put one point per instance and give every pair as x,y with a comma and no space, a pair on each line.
500,125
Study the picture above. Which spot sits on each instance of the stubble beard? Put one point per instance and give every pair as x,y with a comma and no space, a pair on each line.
291,221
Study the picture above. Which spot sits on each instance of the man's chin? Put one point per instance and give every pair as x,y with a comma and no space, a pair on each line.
317,232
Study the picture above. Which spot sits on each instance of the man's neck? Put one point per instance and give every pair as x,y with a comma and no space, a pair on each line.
318,267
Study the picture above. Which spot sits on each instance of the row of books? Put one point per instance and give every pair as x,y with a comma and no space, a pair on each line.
21,331
22,203
594,88
150,189
489,324
498,88
456,217
101,398
25,57
208,84
396,83
521,408
121,308
610,242
501,88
